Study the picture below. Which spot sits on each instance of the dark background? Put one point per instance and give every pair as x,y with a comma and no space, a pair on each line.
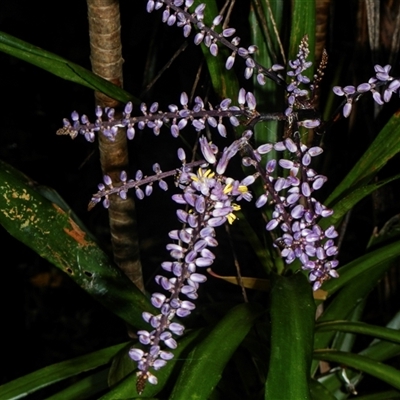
46,318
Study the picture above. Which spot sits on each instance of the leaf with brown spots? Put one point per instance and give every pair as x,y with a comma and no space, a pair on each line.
60,238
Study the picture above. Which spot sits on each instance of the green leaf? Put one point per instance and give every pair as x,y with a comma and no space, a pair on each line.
53,233
61,67
389,233
383,148
203,368
320,392
84,388
41,378
351,199
379,332
347,299
381,371
388,395
371,261
292,323
378,350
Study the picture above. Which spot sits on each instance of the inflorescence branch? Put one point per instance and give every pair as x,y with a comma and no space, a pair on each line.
382,81
178,118
211,38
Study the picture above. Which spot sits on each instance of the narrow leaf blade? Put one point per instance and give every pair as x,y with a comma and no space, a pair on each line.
292,324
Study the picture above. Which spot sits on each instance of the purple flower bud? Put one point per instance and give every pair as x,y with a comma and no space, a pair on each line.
165,15
198,124
277,67
229,62
279,146
312,237
338,91
171,20
107,180
261,79
234,121
74,116
377,97
182,123
331,232
163,185
271,225
271,164
349,89
331,251
106,202
228,32
347,108
286,164
206,150
364,87
297,211
279,184
139,193
167,265
178,198
136,354
184,99
166,355
290,145
222,130
326,213
157,299
198,38
293,198
217,221
128,108
248,73
176,328
387,95
130,133
250,62
265,148
225,104
242,96
251,101
310,123
158,364
315,151
144,337
214,49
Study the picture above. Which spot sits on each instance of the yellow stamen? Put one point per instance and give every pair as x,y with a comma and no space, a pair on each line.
236,207
228,188
231,217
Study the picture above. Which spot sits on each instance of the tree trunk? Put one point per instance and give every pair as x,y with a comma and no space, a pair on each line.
106,59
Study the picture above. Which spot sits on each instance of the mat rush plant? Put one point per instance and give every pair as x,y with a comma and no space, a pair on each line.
276,337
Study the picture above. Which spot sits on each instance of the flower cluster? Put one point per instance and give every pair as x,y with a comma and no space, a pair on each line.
210,200
209,197
296,211
382,79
